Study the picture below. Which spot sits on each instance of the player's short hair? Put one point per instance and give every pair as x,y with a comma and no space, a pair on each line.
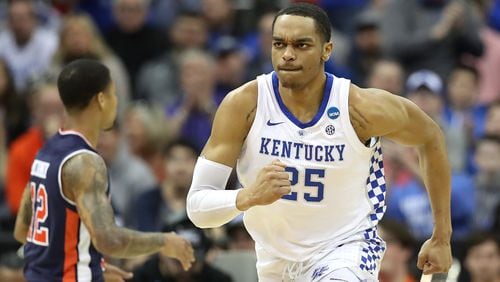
80,81
310,11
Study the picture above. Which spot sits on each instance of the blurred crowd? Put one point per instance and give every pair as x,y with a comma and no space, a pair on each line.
173,62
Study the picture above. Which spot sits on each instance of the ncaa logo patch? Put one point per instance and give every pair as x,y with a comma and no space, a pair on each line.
333,113
330,129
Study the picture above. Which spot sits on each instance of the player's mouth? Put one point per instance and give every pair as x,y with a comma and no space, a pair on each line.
289,69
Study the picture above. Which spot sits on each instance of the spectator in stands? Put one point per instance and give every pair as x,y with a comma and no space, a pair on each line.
260,55
238,237
191,116
165,12
367,45
399,250
48,115
425,88
161,268
132,38
79,38
166,203
488,65
430,34
487,178
221,19
25,46
146,135
231,66
482,260
462,116
407,201
13,107
129,176
492,123
387,75
158,80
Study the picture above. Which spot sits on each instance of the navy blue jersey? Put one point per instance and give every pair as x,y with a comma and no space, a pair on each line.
58,245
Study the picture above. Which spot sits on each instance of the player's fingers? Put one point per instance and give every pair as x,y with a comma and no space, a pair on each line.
421,261
284,190
186,265
430,268
283,175
118,271
279,168
279,163
281,183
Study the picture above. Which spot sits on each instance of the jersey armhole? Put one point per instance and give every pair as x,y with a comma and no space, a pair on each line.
262,81
59,173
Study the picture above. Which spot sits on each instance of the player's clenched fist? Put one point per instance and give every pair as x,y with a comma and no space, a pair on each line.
272,182
179,248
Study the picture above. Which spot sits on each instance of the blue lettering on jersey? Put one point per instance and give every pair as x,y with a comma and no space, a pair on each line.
288,149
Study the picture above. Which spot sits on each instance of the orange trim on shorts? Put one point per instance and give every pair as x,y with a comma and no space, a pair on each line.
71,245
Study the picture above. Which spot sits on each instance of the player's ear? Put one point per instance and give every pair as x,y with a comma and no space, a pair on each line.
100,99
327,51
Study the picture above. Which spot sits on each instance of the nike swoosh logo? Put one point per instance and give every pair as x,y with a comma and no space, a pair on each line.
273,123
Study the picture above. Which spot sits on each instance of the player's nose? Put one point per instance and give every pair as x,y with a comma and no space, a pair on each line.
289,54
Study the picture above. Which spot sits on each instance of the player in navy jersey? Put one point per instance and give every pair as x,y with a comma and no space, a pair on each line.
306,146
66,219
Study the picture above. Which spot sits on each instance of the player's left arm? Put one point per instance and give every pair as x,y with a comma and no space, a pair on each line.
23,219
376,112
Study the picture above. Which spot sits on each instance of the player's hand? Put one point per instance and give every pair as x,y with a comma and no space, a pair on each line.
435,256
115,274
272,183
179,248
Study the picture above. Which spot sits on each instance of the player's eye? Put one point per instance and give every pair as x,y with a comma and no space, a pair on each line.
278,44
302,45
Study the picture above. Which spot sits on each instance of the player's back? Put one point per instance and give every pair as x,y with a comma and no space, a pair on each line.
58,245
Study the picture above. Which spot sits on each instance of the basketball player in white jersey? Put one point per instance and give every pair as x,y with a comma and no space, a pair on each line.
306,146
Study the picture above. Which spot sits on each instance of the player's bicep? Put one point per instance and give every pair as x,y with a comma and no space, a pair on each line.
230,127
23,219
380,113
86,175
416,128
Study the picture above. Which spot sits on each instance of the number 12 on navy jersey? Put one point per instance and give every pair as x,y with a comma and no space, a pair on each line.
308,182
38,234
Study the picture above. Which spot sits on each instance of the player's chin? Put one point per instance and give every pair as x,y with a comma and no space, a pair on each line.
290,83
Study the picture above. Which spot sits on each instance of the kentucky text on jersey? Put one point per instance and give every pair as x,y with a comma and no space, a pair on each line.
289,149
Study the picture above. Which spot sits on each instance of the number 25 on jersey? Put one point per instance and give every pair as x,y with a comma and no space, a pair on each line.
316,194
37,234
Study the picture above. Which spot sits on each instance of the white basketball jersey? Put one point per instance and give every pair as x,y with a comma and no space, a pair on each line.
338,185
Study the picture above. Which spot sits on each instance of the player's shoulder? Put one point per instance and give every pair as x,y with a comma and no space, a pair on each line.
241,100
82,163
244,95
372,99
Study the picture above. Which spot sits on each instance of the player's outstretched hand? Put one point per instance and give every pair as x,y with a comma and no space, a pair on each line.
115,274
435,256
179,248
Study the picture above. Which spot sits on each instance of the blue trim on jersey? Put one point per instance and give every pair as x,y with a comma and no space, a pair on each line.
290,116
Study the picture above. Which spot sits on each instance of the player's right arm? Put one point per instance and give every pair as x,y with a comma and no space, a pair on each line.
208,204
84,179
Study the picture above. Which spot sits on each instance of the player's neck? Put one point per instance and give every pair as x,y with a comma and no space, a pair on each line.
85,128
306,100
